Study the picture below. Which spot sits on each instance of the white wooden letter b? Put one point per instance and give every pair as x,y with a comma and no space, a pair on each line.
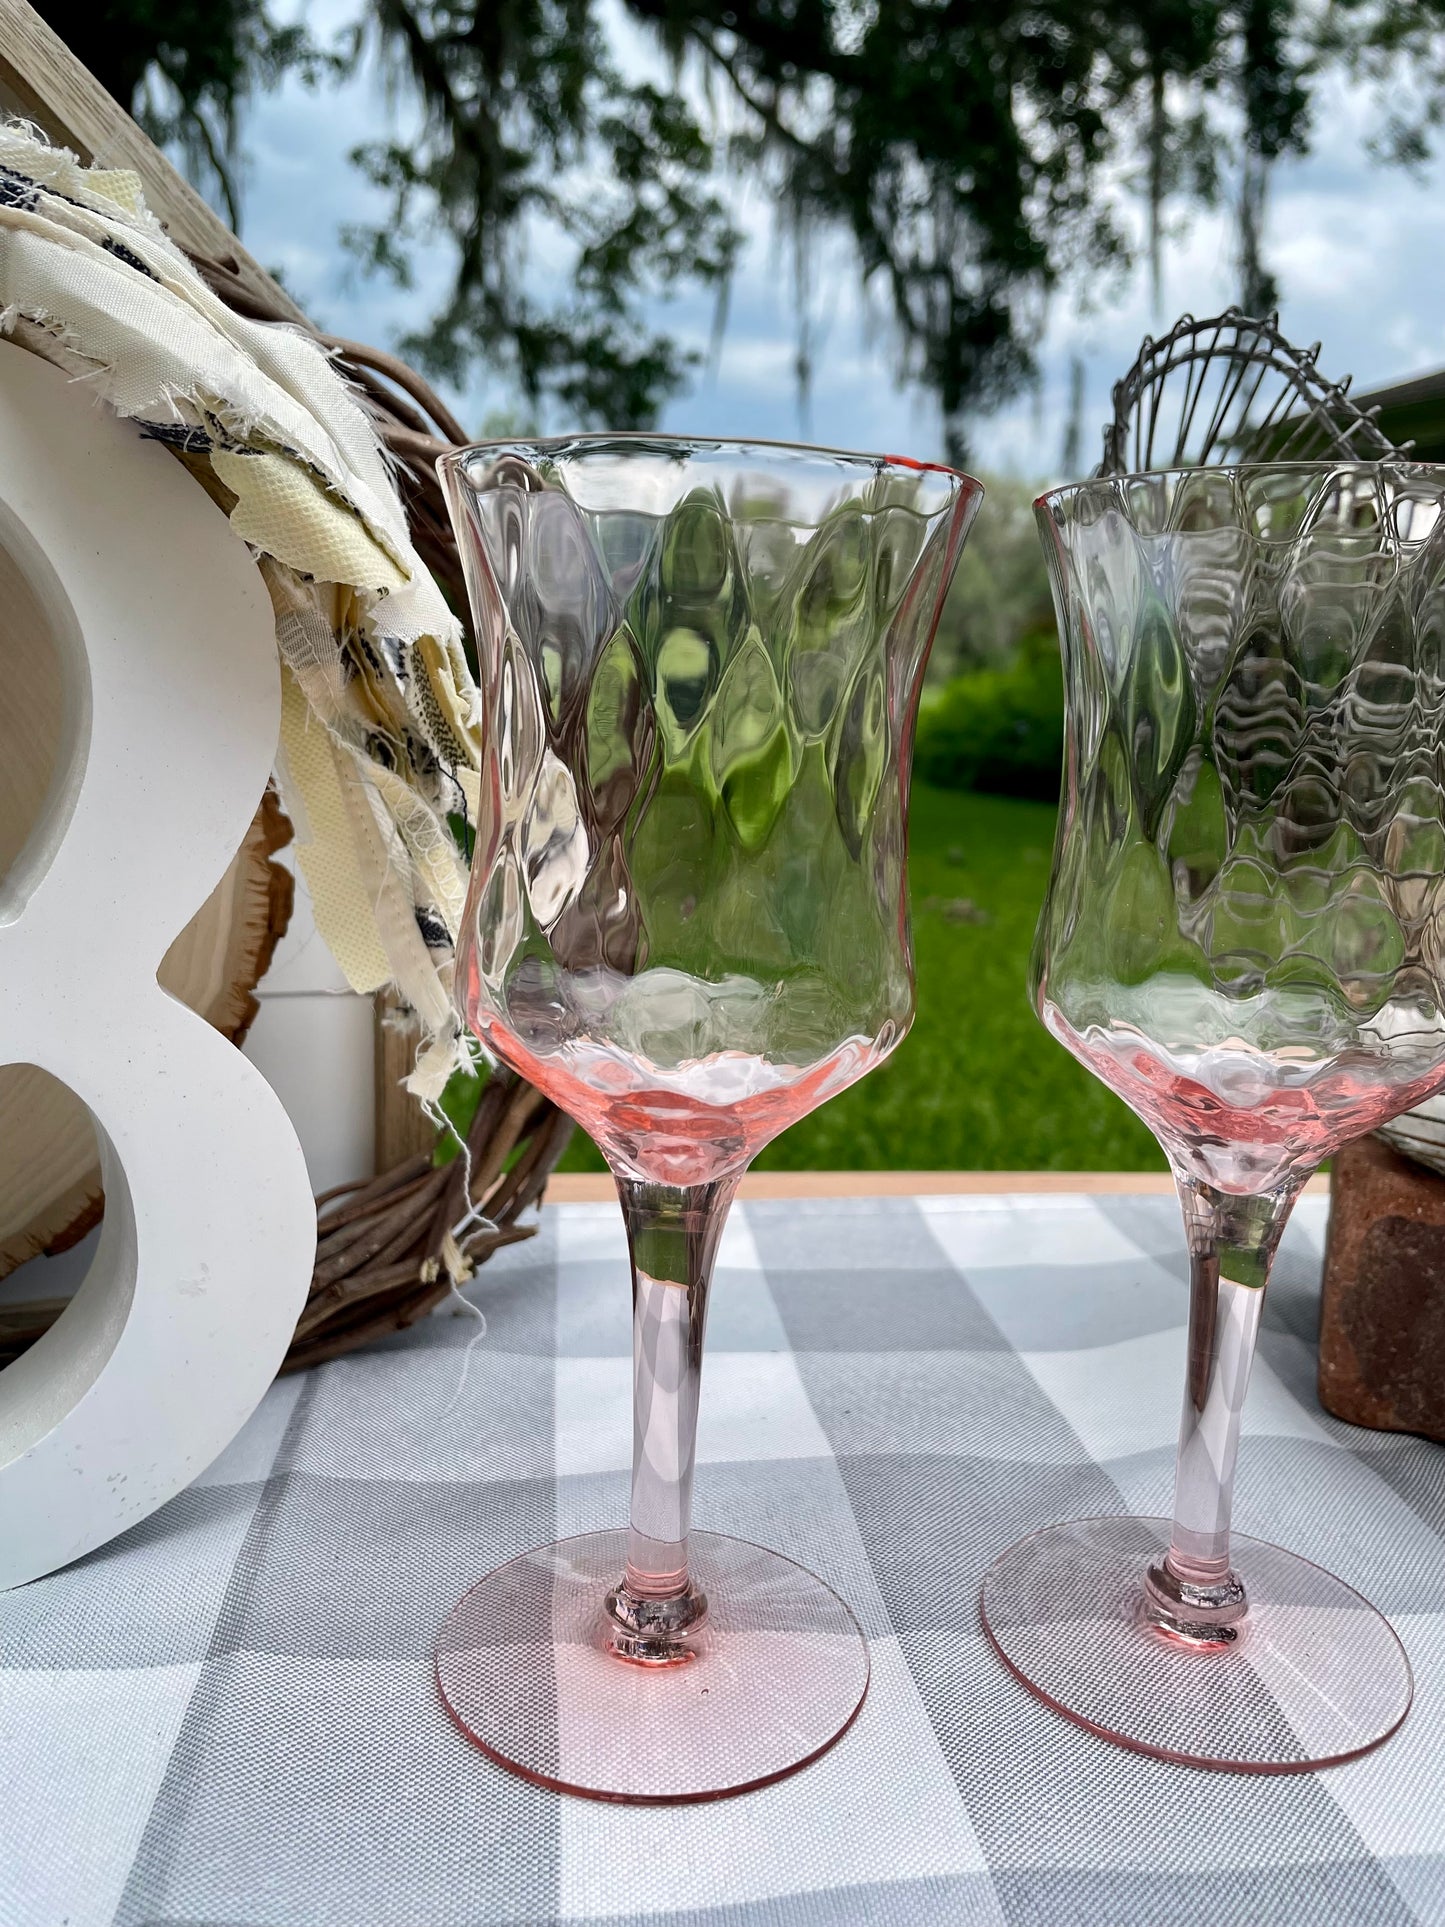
172,712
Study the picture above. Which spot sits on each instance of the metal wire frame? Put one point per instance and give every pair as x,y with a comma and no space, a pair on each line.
1267,401
1234,389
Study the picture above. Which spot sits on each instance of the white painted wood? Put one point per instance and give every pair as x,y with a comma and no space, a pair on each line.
172,720
315,1050
314,1043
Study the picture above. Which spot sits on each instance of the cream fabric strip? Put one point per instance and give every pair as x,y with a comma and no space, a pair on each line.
380,738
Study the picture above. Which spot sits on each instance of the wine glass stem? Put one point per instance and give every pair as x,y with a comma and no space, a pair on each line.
672,1233
1232,1241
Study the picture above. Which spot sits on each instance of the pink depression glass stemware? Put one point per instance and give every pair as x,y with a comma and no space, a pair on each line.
1245,938
700,665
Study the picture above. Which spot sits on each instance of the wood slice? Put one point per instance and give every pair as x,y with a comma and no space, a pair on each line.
50,1193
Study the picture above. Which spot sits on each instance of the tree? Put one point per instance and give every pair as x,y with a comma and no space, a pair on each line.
530,124
963,146
183,68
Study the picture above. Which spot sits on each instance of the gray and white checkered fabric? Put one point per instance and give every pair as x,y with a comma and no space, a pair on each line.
227,1718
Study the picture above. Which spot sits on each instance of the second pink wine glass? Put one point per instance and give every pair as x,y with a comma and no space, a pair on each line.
700,665
1245,938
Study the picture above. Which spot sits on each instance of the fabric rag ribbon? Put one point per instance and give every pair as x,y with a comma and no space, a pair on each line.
379,738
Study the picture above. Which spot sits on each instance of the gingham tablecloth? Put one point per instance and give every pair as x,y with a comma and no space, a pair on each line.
227,1718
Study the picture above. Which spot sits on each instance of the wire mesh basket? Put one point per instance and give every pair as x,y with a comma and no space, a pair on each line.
1234,389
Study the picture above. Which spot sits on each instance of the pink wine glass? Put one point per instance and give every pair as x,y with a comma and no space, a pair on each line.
700,665
1245,938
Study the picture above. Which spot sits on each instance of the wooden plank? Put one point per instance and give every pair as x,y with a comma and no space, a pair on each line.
579,1187
42,79
402,1126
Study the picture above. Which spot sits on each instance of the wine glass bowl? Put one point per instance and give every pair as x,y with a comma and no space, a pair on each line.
1245,933
1244,937
700,665
686,921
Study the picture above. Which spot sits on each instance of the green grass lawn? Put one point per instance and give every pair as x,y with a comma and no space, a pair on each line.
978,1085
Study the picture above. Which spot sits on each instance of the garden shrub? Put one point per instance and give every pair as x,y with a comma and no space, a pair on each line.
999,730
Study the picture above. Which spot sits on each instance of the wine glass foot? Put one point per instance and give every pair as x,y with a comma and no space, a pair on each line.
1309,1675
528,1667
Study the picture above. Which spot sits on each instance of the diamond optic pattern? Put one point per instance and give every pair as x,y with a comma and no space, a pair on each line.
700,664
1246,927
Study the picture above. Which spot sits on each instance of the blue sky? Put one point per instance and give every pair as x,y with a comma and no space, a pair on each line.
1357,250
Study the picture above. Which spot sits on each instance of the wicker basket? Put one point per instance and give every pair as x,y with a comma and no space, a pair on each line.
392,1247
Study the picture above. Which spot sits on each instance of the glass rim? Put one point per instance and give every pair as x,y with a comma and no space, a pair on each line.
453,458
1314,464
